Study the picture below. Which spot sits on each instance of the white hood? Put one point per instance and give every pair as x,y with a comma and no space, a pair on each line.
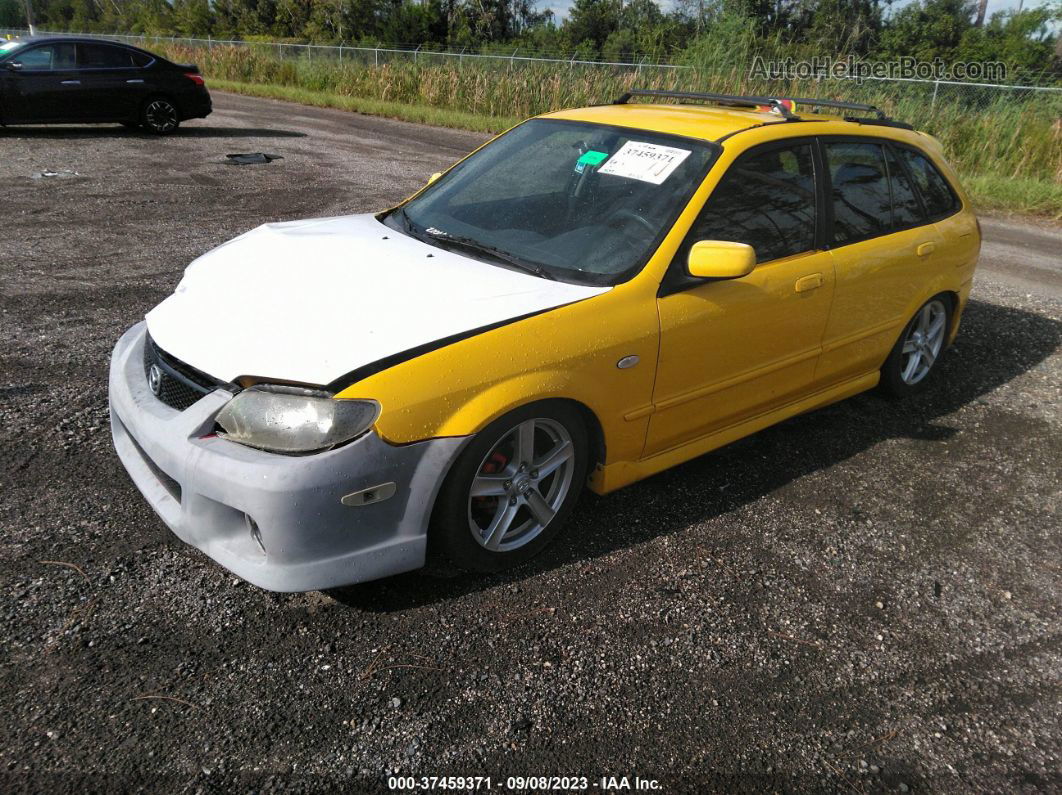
310,301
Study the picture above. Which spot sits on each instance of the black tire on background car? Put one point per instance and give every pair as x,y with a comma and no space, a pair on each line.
913,359
511,489
160,116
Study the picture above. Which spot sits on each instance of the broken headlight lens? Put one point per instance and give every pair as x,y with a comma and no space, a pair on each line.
292,420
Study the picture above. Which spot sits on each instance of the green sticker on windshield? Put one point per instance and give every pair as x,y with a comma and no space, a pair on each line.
592,158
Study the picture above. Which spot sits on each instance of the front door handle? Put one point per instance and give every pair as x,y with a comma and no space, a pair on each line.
926,249
70,82
810,282
134,81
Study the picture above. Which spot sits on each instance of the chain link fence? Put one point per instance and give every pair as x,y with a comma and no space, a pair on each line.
906,93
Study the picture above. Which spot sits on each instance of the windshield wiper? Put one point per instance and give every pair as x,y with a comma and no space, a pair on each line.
407,223
470,244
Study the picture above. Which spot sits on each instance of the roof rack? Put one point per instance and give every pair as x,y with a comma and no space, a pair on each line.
882,122
775,103
720,99
833,103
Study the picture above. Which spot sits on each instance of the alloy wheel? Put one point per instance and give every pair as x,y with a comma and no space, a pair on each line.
521,484
161,115
925,338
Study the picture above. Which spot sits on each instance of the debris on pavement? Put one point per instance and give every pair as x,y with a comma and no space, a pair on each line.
49,173
251,158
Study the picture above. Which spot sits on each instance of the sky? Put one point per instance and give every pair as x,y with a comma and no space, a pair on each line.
561,7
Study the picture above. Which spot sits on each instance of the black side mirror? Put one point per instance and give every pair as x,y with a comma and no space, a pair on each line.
12,66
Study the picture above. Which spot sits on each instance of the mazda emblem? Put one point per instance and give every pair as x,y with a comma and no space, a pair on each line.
155,379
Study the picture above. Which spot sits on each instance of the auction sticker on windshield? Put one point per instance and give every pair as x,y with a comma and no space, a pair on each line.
644,161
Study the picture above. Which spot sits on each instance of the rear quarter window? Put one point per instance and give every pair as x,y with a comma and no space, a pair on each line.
937,195
906,208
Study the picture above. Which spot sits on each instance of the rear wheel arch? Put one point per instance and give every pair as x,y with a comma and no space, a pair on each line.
897,382
155,97
952,298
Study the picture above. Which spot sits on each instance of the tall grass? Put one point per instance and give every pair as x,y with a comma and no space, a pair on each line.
1012,134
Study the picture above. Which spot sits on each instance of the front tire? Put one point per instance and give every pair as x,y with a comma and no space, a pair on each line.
512,488
160,116
913,358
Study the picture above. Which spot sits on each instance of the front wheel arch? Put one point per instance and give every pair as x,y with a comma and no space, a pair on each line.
450,542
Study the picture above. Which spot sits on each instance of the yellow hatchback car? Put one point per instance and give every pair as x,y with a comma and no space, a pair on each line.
590,298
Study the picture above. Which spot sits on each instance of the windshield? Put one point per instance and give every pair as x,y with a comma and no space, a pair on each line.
574,201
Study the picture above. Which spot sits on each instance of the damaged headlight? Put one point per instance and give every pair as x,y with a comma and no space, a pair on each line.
283,419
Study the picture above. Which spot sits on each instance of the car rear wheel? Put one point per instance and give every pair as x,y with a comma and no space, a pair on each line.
512,488
913,358
160,116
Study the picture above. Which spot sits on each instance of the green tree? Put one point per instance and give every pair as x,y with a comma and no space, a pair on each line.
926,30
1023,40
834,27
593,21
12,14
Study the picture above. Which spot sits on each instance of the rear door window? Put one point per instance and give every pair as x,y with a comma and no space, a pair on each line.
862,205
767,200
103,56
937,195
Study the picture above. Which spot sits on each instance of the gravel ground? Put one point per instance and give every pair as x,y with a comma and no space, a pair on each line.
863,598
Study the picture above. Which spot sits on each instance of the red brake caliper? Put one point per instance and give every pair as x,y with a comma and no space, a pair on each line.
496,463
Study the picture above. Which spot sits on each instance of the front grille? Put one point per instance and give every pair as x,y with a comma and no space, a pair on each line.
178,385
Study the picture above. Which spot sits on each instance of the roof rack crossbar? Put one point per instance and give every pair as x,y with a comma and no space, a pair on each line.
833,103
719,99
740,101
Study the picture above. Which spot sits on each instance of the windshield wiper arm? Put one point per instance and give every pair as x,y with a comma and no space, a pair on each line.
407,222
471,244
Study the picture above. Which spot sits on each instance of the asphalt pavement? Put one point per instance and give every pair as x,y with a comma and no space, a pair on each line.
865,598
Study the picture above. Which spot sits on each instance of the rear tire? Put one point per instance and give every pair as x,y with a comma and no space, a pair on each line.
511,490
912,361
160,116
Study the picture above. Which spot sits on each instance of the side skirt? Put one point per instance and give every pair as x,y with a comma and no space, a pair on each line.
622,473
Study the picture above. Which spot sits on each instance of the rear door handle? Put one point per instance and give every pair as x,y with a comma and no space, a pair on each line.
70,82
810,282
926,248
134,81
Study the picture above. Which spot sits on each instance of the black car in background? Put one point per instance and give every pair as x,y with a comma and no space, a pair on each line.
64,80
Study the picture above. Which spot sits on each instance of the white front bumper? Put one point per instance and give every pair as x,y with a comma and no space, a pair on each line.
274,520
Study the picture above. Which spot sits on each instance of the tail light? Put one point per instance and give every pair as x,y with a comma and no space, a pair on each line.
197,79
